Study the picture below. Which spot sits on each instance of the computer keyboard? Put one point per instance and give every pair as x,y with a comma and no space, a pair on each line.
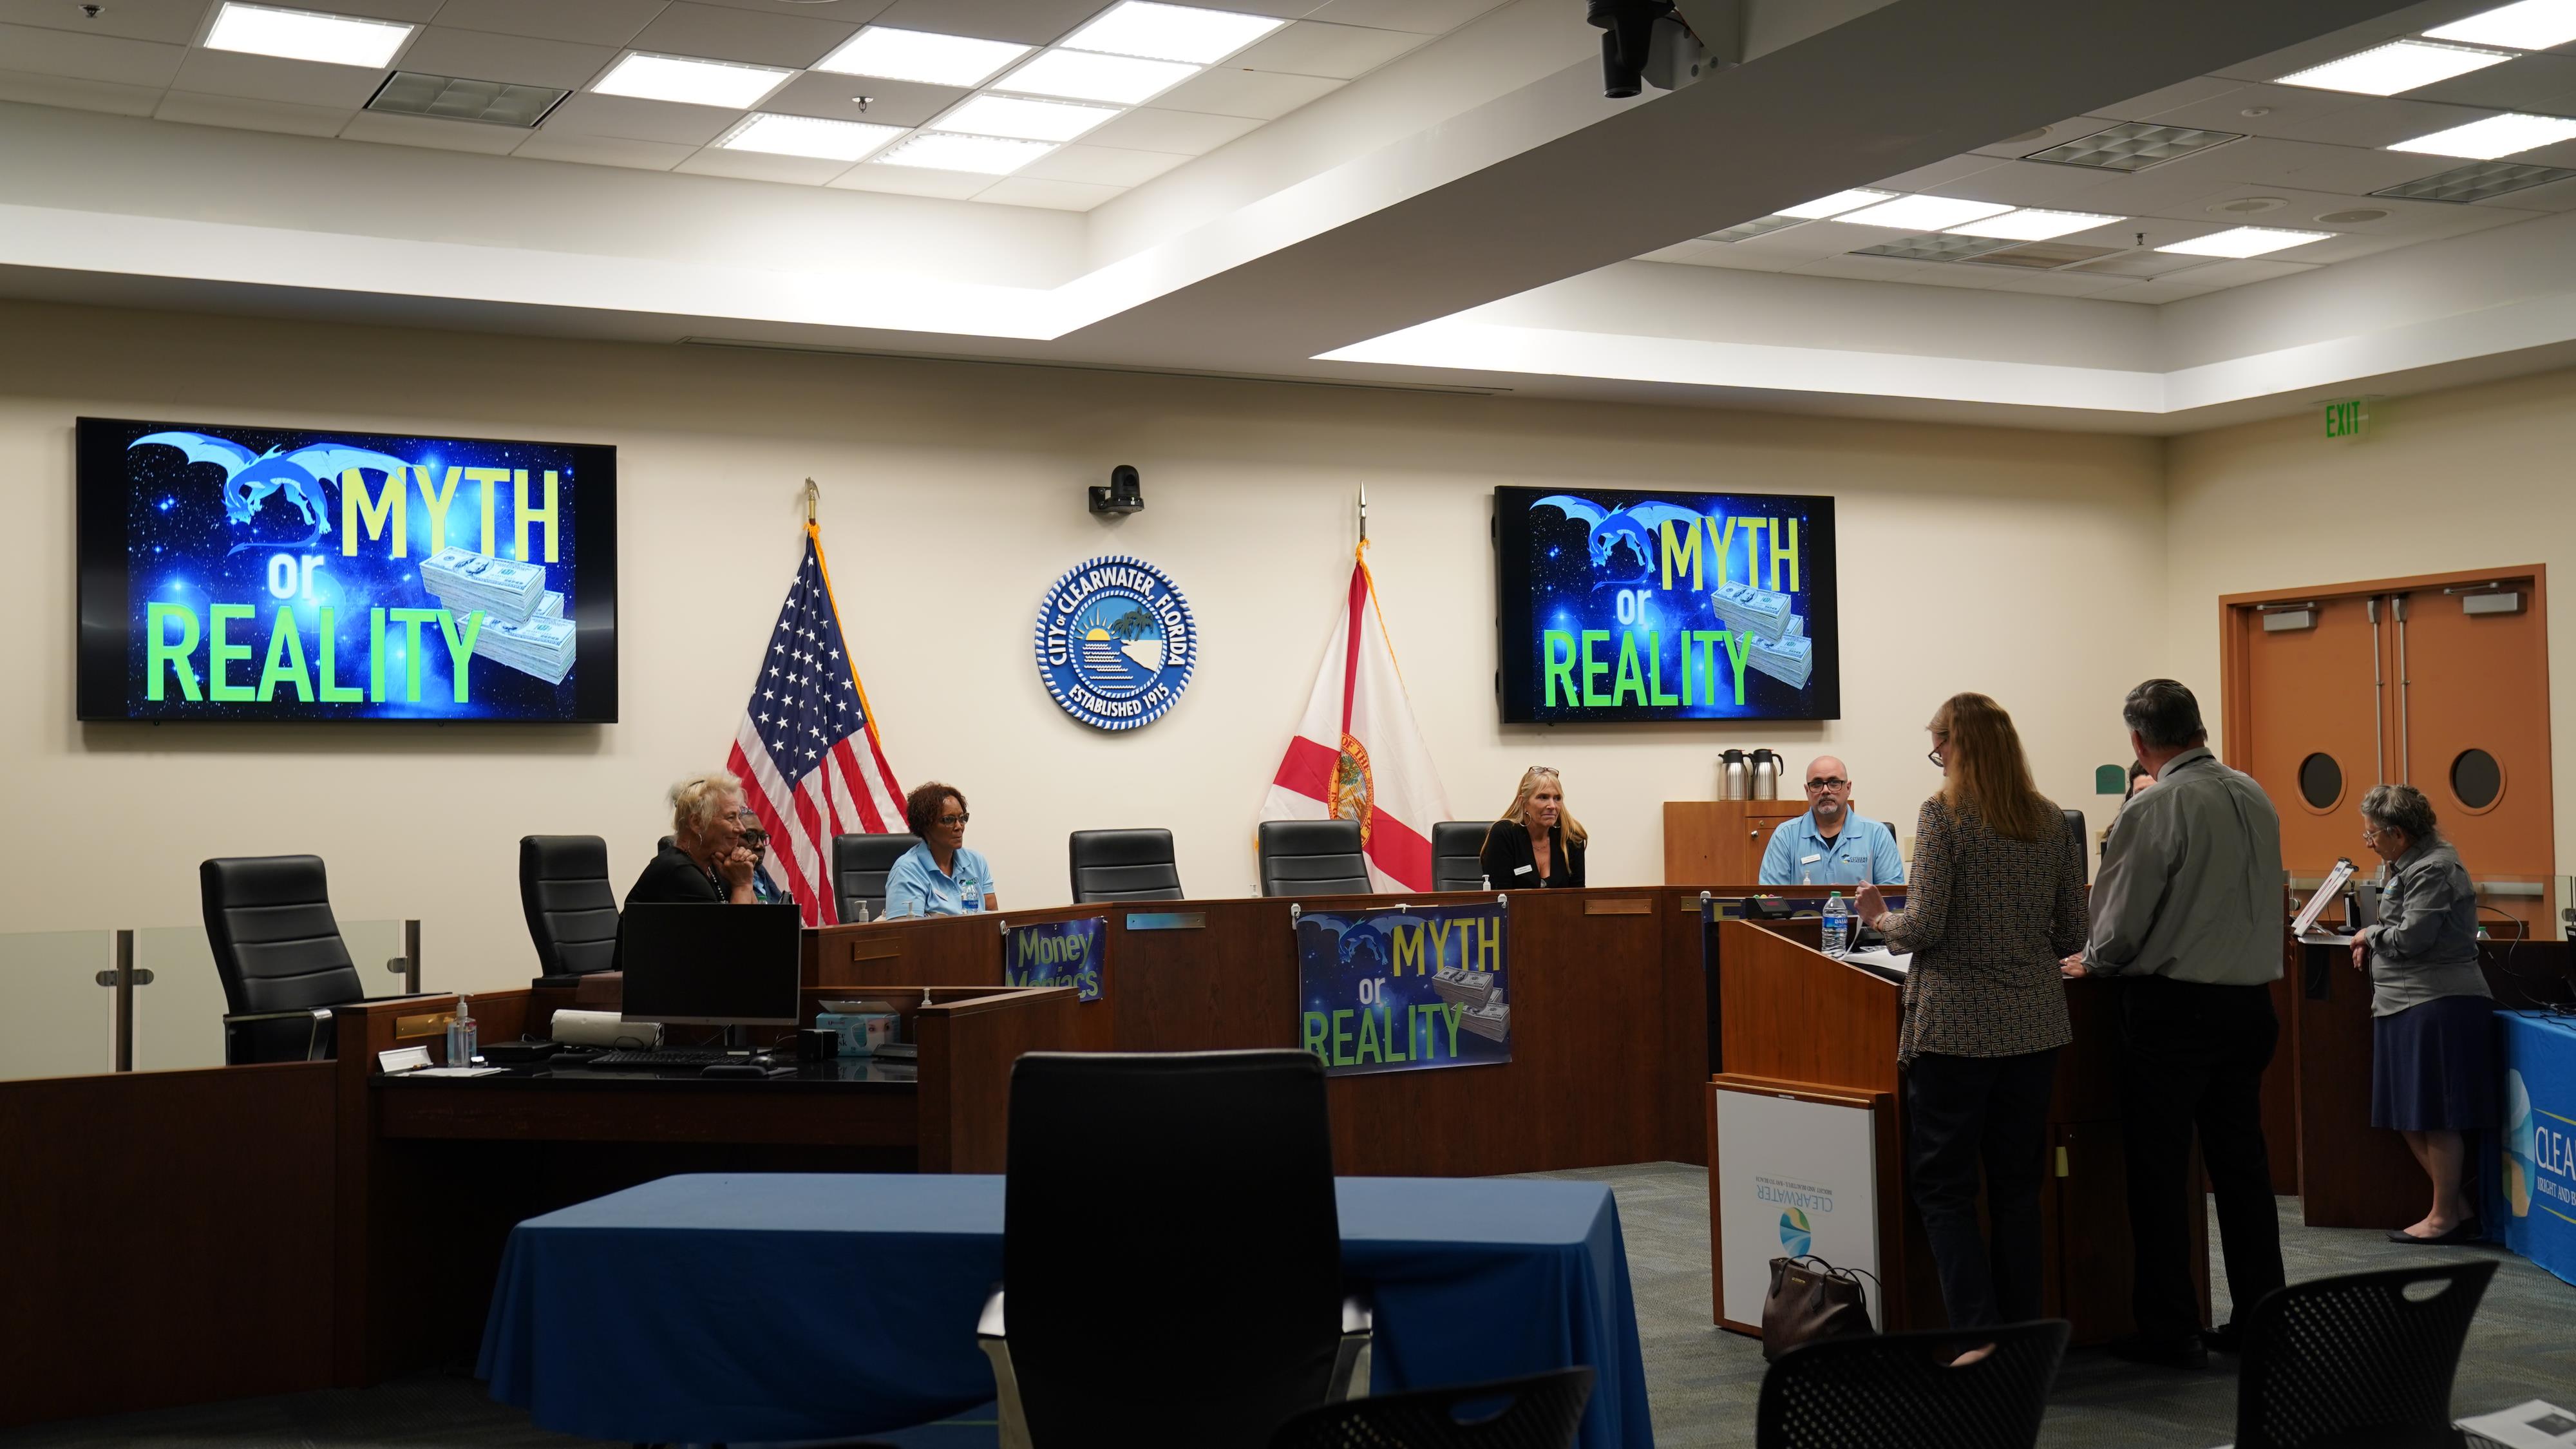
668,1059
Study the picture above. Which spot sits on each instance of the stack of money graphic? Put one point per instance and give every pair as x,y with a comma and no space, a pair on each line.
1778,638
550,605
1492,1021
1461,987
541,647
503,588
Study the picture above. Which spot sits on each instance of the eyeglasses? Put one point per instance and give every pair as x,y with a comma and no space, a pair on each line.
1828,782
954,819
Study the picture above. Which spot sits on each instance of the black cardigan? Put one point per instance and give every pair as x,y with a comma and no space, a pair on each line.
1509,863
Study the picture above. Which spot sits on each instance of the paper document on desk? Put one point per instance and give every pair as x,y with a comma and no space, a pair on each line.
458,1072
1881,958
2536,1424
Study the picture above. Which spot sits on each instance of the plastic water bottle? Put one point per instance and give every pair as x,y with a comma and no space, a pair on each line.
1837,926
462,1035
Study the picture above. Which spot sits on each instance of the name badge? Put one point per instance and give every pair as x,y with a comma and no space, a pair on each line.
1524,870
1809,859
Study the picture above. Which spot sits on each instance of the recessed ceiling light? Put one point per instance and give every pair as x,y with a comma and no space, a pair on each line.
2531,25
2244,241
305,35
2475,182
1022,120
1836,204
2031,224
1171,32
2400,65
690,82
808,136
2495,136
1083,76
1924,213
990,155
2132,146
1758,226
919,55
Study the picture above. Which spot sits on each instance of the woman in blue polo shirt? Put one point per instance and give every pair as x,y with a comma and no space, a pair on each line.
940,876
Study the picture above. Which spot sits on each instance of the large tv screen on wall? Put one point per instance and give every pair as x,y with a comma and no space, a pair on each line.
254,573
1622,606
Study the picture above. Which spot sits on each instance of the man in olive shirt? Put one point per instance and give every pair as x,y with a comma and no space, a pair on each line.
2189,910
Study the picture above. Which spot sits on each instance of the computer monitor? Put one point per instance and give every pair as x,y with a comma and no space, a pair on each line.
710,965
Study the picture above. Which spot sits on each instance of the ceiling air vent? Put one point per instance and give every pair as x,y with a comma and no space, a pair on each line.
2042,256
2140,264
1941,248
2133,146
2475,182
452,98
1758,226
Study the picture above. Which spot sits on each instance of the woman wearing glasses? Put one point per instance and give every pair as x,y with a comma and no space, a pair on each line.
2432,1061
1536,843
940,876
713,856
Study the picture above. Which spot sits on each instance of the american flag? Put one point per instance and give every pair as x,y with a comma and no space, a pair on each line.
807,750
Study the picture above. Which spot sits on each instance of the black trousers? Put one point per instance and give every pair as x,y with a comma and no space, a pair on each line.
2192,1058
1962,1112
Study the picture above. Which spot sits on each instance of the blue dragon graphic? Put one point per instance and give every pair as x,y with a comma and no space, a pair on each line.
301,475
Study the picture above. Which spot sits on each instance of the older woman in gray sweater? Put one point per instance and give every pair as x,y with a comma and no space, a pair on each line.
2433,1059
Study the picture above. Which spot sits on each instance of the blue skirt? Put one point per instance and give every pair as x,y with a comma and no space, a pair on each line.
2433,1067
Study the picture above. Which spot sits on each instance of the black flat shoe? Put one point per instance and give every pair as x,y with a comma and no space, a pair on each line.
2467,1231
2225,1338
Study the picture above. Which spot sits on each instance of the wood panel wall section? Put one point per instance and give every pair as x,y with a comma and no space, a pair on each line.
969,1042
1721,840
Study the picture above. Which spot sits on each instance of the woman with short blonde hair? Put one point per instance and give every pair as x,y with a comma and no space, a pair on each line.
714,854
1537,843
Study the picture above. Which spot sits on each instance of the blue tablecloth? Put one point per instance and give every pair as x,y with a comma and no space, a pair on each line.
725,1308
2532,1183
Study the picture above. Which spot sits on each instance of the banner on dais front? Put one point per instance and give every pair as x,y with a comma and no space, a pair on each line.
1056,953
1404,989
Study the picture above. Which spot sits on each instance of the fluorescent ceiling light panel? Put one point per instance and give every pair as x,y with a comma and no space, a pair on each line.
2531,25
2400,65
1171,32
1934,248
2495,136
809,136
1925,213
2244,241
690,82
1022,120
990,155
305,35
1836,204
919,55
2132,146
1083,76
2032,224
2475,182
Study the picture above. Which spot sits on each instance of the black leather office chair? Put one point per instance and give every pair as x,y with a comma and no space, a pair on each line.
1123,865
1312,858
1540,1411
1457,855
278,951
1901,1390
1172,1163
2364,1358
570,905
2075,838
859,866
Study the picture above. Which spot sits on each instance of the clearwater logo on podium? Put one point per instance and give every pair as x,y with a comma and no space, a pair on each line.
1116,642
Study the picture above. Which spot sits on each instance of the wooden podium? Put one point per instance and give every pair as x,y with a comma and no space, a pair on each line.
1797,1023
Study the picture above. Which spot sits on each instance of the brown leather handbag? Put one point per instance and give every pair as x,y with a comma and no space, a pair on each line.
1812,1299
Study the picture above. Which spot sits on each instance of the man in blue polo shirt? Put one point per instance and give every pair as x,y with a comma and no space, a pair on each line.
1830,844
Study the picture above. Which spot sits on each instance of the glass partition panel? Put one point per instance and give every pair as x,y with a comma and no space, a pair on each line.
179,1017
371,945
55,1019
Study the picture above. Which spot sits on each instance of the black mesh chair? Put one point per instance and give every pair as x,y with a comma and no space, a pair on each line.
1542,1411
570,905
1171,1163
1123,865
1457,854
859,866
278,950
1901,1391
1312,858
2362,1359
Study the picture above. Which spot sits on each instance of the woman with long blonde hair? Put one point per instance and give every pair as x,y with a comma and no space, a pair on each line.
1537,842
1996,898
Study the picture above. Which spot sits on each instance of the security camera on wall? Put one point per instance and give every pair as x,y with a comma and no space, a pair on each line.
1125,493
1666,44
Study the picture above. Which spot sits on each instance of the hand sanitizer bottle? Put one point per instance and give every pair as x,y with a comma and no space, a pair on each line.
462,1046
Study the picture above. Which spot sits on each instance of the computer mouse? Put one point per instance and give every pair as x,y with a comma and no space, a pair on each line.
734,1069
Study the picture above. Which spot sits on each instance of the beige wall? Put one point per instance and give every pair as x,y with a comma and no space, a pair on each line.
2473,478
2026,564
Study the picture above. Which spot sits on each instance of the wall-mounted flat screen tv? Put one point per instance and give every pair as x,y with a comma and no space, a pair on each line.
1620,606
262,574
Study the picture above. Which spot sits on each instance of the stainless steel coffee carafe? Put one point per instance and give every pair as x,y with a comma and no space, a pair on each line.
1766,775
1734,776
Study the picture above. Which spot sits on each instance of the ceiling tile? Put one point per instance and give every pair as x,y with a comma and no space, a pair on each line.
416,11
582,22
2198,90
1262,95
845,12
2562,154
266,78
1101,165
1030,22
890,102
753,37
760,166
603,150
912,181
1865,269
2298,112
436,134
2533,82
2036,183
2250,269
249,114
1939,175
1284,9
1054,195
2015,147
1311,47
1424,17
89,57
2556,196
520,60
1183,133
640,120
78,95
173,22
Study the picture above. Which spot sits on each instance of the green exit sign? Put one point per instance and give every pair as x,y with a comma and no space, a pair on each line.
2349,419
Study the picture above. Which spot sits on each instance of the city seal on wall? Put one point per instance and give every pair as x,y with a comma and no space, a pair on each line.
1116,642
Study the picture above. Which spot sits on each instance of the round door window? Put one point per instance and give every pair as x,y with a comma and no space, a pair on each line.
2476,779
2320,781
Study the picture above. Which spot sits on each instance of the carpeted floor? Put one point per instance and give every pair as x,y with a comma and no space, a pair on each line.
1702,1382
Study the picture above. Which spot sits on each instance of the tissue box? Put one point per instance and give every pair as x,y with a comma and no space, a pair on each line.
861,1033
